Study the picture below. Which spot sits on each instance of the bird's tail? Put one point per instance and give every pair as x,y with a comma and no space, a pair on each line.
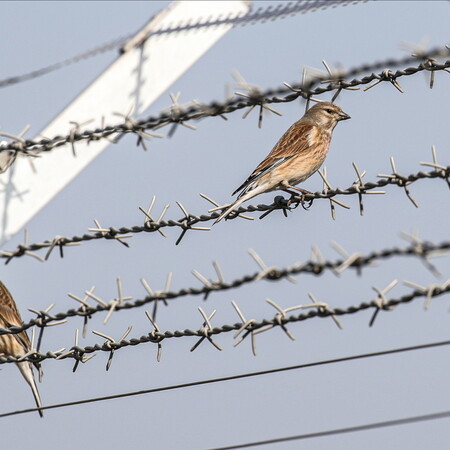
240,200
26,369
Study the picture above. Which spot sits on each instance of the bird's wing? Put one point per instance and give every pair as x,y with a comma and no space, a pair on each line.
297,139
10,316
7,300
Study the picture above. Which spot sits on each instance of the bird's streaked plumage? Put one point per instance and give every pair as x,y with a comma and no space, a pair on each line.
16,344
297,155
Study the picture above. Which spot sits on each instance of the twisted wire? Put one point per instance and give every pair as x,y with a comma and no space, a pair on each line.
156,336
262,14
198,110
111,45
421,250
189,222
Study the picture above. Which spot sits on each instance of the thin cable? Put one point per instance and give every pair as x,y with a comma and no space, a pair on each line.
234,377
365,427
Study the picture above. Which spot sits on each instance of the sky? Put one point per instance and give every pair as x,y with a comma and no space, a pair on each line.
214,160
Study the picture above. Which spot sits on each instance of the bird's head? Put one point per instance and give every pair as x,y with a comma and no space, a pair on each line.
326,115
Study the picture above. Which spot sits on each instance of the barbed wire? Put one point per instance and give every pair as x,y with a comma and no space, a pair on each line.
190,221
236,377
252,327
245,328
262,14
111,45
176,115
316,266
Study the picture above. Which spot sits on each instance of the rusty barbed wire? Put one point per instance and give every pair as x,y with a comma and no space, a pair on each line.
189,222
316,266
261,14
197,110
207,331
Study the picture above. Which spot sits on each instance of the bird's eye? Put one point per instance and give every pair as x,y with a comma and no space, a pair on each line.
329,111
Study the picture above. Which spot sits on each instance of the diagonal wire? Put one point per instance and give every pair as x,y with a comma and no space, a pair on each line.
111,45
260,15
337,431
238,376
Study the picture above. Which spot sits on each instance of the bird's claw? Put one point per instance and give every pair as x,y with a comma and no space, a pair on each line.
306,204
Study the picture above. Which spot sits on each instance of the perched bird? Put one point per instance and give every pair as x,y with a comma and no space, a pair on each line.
297,155
16,344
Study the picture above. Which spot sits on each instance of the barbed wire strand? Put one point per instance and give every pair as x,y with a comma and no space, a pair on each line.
103,48
190,221
238,376
315,266
337,431
252,327
262,14
197,110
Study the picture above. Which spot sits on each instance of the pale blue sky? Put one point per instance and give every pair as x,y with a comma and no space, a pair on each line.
215,159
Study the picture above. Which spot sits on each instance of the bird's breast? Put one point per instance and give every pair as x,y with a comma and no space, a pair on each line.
308,162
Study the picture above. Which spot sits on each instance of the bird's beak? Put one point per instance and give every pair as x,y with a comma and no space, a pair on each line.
343,116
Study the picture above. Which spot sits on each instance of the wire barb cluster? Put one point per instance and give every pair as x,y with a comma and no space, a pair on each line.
252,327
261,14
196,110
316,266
191,221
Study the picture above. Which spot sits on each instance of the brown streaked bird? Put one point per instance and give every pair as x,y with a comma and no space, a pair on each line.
16,344
297,155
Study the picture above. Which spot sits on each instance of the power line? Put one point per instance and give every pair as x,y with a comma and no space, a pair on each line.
234,377
365,427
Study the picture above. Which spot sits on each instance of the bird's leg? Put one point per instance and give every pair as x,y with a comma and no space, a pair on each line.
303,191
287,187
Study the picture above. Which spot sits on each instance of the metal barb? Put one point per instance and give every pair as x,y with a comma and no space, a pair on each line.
381,300
323,308
154,336
206,330
246,325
